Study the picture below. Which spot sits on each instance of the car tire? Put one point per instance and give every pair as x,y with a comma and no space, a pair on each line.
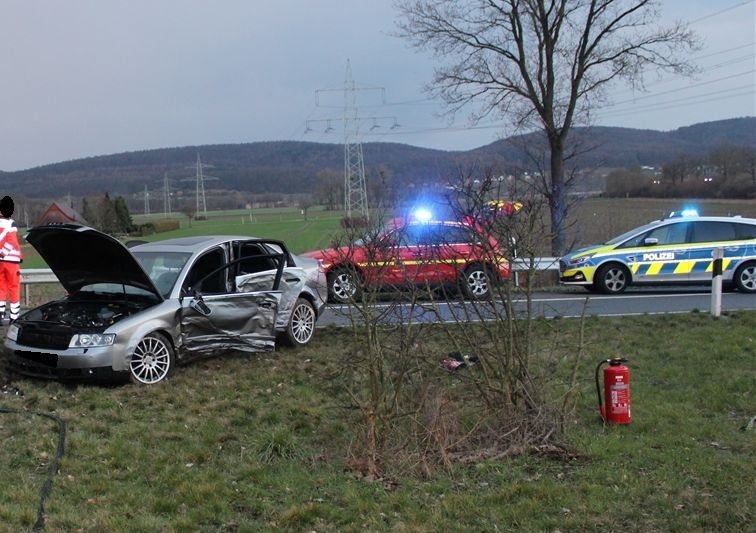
611,279
476,282
745,278
301,325
343,285
152,360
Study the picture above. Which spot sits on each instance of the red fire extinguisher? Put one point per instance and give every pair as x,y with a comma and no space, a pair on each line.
615,408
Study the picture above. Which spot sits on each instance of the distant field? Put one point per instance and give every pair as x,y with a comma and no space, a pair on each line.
593,220
596,220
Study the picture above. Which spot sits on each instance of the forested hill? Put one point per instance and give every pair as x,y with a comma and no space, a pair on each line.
289,166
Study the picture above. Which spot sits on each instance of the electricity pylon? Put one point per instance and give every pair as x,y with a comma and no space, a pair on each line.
146,201
199,181
355,186
166,196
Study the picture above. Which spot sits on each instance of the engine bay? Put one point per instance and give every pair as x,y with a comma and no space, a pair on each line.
84,314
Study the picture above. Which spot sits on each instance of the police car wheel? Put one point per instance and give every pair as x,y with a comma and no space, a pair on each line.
745,278
611,279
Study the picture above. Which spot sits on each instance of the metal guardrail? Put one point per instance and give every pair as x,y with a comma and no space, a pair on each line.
45,275
37,275
523,264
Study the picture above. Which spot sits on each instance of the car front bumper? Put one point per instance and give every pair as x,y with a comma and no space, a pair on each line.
72,363
576,276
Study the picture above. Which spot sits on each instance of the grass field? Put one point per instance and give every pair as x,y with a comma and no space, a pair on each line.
262,443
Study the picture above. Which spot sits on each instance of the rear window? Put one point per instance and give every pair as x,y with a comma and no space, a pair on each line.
710,231
744,231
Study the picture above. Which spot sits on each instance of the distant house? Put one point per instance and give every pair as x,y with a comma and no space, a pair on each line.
60,214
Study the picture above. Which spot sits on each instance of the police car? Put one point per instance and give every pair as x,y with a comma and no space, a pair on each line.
675,250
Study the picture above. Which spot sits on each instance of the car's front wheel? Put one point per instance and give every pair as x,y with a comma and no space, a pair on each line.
343,285
745,278
152,360
476,282
301,324
611,279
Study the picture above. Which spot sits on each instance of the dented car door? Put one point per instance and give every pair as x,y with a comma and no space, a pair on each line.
215,321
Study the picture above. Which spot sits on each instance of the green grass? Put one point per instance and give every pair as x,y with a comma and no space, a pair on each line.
263,442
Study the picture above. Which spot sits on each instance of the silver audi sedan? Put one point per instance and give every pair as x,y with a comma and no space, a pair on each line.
138,312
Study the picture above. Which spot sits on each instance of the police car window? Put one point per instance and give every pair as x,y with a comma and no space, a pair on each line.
670,234
666,234
745,231
710,231
638,232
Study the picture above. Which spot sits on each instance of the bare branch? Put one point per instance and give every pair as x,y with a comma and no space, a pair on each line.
550,59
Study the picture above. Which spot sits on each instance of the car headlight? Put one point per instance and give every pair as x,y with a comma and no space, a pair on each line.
12,332
577,261
91,340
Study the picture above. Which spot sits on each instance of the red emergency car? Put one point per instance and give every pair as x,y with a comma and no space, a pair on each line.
424,254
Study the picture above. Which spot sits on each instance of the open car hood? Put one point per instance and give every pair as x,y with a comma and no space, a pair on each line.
79,255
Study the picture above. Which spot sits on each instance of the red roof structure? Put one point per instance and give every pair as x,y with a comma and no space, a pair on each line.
60,214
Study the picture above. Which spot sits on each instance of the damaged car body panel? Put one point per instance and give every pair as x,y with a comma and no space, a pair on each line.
138,311
244,322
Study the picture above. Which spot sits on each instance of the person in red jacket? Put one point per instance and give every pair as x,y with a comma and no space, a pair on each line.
10,260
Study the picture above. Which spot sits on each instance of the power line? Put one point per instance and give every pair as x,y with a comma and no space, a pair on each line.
747,45
678,102
678,89
716,13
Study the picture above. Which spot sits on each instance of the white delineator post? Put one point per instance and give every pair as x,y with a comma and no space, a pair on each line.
716,282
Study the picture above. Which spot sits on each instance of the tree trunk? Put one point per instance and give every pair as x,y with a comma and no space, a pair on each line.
557,198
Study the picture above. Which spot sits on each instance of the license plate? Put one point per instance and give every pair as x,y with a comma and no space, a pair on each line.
43,358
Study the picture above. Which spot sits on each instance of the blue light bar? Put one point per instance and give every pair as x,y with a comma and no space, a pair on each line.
422,215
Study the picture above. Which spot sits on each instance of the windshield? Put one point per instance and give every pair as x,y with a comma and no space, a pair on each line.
628,234
163,268
110,290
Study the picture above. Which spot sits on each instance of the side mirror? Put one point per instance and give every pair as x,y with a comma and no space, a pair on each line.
650,241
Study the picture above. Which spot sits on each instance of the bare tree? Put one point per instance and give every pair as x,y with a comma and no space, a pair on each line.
543,63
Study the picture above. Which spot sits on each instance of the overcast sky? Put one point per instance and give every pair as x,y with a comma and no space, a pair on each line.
90,77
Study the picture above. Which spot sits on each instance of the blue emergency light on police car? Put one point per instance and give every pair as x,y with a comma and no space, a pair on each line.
687,212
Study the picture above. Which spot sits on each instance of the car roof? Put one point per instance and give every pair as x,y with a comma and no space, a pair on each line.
735,218
189,244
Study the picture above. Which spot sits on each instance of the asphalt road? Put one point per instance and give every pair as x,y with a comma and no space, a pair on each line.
570,304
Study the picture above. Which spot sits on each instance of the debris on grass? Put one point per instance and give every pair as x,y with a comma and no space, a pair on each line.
456,360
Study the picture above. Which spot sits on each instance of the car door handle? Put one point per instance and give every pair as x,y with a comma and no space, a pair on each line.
291,280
